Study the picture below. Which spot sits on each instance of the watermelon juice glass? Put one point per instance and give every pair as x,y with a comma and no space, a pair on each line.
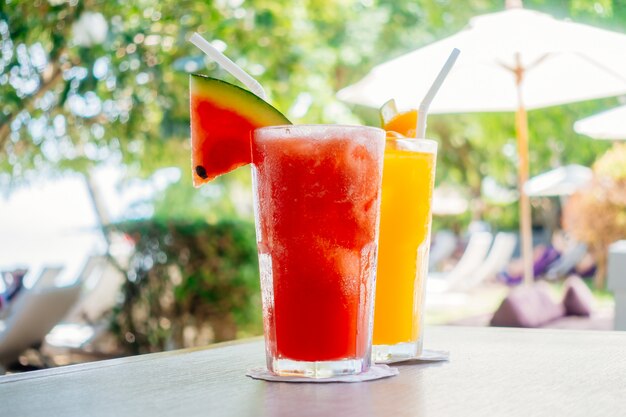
317,195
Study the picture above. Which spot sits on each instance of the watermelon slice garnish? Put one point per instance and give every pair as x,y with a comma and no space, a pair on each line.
222,119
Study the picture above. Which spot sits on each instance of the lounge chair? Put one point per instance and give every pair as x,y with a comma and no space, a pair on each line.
444,245
47,277
84,324
33,314
544,256
499,256
567,262
102,283
473,257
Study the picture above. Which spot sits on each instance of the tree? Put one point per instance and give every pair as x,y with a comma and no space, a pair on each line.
88,82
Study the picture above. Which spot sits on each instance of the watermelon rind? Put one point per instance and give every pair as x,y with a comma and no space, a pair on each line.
220,134
239,99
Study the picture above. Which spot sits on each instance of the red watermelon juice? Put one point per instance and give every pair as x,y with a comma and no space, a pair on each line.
317,197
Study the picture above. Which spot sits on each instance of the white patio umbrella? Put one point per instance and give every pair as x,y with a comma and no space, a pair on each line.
561,181
515,60
610,124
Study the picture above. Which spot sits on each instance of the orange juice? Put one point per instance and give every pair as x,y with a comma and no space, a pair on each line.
405,219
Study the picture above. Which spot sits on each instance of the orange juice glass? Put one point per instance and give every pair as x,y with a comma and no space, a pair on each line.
405,222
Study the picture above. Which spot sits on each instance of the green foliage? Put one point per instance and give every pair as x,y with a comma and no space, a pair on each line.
70,103
188,283
229,196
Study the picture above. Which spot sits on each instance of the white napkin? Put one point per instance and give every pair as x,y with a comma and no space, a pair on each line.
426,356
375,372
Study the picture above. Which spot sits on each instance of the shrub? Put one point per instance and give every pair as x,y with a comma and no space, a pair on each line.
596,215
187,284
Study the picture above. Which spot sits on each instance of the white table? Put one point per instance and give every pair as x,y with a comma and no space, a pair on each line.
492,372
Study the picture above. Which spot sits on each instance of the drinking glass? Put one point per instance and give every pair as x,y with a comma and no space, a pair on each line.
316,203
407,191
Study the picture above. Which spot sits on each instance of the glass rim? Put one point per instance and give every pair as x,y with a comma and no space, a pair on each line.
319,126
425,145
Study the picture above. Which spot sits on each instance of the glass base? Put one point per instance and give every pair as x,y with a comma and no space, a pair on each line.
321,369
397,352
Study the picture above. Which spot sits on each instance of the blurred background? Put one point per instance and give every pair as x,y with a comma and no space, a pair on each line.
106,249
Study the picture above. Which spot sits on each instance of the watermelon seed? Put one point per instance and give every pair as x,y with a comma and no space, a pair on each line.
201,172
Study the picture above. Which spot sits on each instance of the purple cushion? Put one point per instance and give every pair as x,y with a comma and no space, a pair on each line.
578,299
527,307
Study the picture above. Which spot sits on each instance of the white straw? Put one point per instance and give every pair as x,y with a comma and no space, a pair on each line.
422,113
227,64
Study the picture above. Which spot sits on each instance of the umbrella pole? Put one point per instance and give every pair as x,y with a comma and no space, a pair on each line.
521,128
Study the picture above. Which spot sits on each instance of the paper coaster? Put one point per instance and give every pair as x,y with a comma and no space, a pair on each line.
426,356
375,372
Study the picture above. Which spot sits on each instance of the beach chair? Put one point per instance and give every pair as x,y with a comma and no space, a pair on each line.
568,261
92,271
444,245
33,314
102,284
44,279
498,258
89,276
473,257
47,277
86,321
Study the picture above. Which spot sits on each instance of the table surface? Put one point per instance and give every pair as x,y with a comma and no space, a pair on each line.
492,372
